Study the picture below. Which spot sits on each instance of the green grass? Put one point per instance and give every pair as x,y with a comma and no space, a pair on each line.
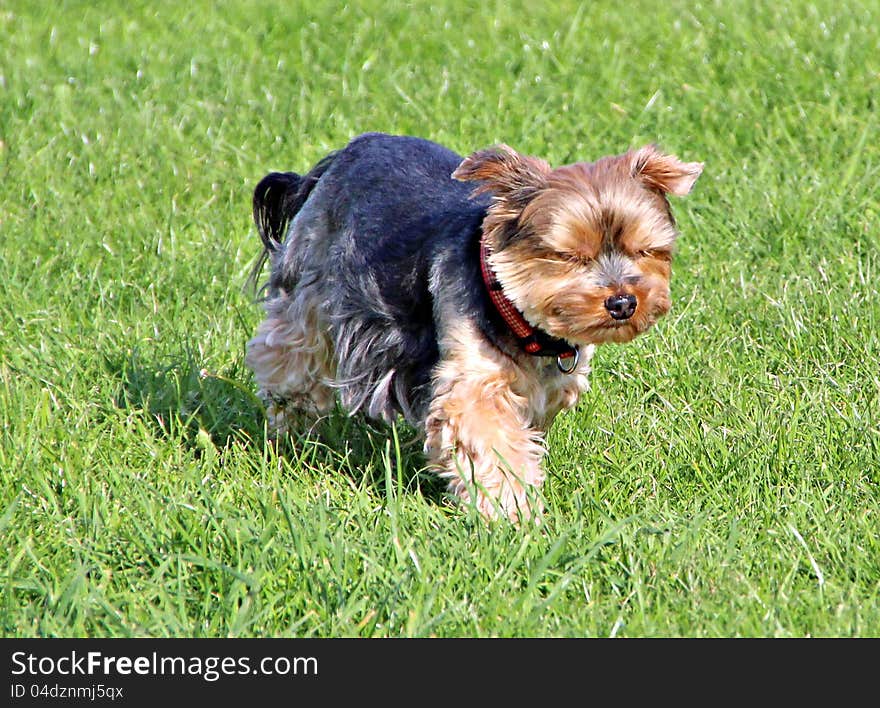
719,479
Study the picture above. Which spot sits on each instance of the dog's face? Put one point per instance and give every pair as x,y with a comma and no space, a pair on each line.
584,251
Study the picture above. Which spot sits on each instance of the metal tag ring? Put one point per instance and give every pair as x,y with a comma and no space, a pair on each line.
563,365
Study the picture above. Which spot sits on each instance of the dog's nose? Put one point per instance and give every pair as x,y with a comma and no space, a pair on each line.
621,306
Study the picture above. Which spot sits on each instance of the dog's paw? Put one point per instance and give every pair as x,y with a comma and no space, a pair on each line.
516,503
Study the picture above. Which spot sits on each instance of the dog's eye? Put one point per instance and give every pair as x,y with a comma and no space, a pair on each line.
578,258
655,253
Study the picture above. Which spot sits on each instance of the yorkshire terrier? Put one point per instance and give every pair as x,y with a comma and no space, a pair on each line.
465,294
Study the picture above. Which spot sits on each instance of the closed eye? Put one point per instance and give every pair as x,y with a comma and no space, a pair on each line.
578,258
658,253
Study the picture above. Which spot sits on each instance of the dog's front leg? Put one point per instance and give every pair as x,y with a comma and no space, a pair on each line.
479,430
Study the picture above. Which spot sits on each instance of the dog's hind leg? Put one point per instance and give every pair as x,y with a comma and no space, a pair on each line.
291,357
291,354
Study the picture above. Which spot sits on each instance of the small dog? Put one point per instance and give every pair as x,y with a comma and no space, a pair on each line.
466,295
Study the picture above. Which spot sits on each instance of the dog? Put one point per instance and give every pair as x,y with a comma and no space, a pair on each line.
466,295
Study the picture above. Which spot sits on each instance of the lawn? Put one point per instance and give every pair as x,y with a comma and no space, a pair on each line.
719,479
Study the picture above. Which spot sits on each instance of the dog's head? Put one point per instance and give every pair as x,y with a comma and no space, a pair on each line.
584,251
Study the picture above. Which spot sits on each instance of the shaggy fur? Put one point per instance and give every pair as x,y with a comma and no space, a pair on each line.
376,295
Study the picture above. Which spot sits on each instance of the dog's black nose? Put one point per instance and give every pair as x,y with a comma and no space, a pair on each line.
621,306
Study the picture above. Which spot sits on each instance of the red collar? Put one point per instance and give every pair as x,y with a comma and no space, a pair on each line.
532,340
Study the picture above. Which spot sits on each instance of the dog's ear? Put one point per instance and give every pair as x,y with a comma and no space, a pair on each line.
665,173
505,173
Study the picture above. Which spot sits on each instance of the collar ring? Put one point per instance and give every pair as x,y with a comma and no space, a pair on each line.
569,363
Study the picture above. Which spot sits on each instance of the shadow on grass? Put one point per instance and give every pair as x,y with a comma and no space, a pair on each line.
181,399
366,451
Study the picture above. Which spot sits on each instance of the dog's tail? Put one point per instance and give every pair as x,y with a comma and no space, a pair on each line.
277,199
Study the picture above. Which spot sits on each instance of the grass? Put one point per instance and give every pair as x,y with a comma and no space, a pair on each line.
720,478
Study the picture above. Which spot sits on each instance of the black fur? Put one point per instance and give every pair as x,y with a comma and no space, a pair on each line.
277,199
389,240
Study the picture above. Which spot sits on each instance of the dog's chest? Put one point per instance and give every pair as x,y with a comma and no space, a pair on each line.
549,391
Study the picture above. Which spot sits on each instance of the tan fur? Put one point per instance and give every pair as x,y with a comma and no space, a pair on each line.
665,172
486,423
292,361
589,231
